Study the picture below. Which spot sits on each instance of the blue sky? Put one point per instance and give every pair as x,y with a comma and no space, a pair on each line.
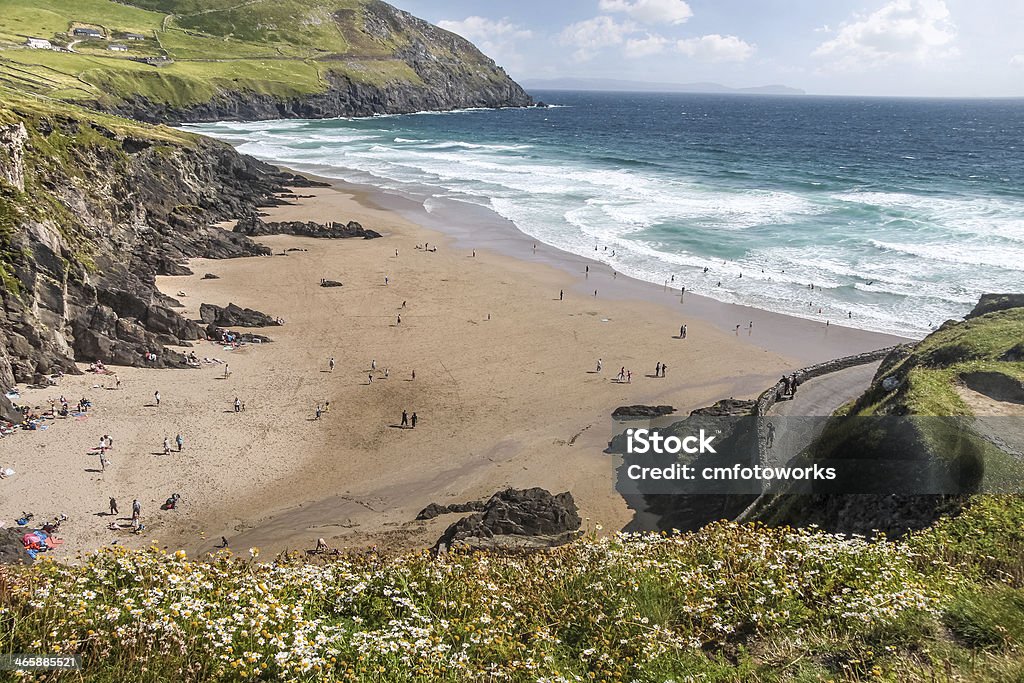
844,47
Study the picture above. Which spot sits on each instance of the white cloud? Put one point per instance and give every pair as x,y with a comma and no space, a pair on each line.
1017,61
499,39
636,48
902,30
650,11
593,35
716,48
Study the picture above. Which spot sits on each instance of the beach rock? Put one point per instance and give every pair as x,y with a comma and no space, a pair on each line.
12,550
234,316
434,510
517,518
216,333
636,412
330,283
727,407
211,276
254,226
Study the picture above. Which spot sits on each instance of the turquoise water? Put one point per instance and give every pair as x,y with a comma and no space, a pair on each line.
899,212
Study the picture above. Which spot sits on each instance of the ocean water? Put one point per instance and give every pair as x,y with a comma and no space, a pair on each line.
899,212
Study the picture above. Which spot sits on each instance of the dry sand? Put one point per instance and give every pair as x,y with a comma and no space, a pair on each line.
504,389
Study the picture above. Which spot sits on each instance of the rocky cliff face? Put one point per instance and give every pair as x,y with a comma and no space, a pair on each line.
445,72
89,215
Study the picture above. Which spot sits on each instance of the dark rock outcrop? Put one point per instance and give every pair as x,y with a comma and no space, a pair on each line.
990,303
211,276
638,412
12,550
254,226
330,283
516,518
234,316
434,510
217,333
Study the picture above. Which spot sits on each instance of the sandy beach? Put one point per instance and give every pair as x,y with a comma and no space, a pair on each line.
505,389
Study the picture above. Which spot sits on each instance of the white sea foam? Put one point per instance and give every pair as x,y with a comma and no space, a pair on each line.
899,261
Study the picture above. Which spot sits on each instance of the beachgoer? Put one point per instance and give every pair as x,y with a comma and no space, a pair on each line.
227,372
561,294
319,411
405,419
770,441
414,374
156,397
167,446
664,369
103,462
600,364
399,319
238,405
387,371
179,440
321,544
629,376
369,378
136,509
386,280
413,420
330,364
684,332
373,364
113,505
327,407
657,369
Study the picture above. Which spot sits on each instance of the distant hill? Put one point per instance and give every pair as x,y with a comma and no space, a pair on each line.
202,60
611,85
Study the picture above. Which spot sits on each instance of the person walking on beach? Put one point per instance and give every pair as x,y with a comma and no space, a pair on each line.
156,397
414,419
405,419
561,294
136,510
622,373
629,376
330,364
657,369
373,364
103,461
113,506
387,371
399,319
682,332
238,405
386,280
319,412
600,364
663,369
167,446
179,441
414,375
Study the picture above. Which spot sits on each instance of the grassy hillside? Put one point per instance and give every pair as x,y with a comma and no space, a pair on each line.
728,603
281,49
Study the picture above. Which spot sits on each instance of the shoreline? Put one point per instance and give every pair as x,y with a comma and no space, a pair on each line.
504,401
774,330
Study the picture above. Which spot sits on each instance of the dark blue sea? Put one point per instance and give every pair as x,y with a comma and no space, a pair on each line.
898,211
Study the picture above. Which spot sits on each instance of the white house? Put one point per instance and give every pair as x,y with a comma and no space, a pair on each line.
39,44
117,48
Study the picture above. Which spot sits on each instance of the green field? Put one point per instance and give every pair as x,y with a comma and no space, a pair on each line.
282,48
